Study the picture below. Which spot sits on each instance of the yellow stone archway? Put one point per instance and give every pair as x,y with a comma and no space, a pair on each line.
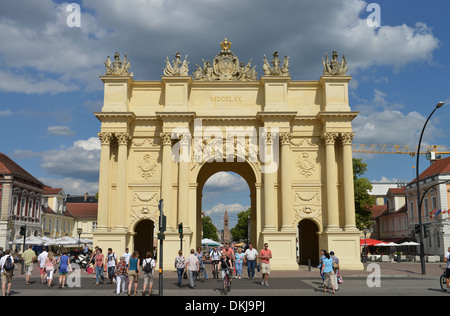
290,140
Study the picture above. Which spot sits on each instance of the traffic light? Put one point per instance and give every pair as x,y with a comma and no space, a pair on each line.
23,230
180,228
426,230
417,229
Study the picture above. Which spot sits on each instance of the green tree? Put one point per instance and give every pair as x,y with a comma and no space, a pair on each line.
240,231
363,200
209,230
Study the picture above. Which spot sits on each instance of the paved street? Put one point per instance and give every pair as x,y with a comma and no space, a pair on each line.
404,279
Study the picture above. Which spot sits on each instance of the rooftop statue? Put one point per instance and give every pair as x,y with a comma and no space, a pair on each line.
118,68
333,67
278,69
178,68
225,66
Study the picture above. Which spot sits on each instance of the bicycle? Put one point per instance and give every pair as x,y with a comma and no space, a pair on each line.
215,270
227,281
443,279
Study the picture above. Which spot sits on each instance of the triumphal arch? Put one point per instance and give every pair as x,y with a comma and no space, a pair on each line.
290,140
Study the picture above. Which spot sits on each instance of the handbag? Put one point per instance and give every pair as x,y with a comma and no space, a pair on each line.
258,268
185,275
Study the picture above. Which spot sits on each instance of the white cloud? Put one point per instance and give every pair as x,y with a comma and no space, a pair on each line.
60,131
71,185
226,182
6,113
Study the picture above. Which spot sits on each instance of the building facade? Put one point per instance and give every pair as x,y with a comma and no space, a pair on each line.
290,140
20,202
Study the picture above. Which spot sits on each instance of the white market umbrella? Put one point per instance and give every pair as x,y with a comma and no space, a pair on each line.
410,243
210,242
66,241
29,241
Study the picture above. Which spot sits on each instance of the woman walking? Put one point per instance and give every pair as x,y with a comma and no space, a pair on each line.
50,268
180,265
64,263
328,272
148,268
239,260
133,272
99,258
121,275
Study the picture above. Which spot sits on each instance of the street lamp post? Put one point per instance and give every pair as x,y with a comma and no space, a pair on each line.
419,201
79,231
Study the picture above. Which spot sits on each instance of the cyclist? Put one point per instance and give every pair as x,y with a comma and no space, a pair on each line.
215,258
201,259
225,263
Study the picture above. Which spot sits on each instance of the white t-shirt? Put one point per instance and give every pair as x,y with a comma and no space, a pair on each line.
42,258
3,261
251,254
215,255
148,260
447,255
126,257
192,261
111,260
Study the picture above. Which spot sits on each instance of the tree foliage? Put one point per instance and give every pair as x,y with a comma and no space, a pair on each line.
209,230
240,231
363,200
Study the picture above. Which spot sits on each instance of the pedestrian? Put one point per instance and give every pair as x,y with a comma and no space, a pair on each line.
127,256
336,269
265,255
86,249
447,270
148,269
121,275
192,267
110,263
226,266
133,272
41,260
180,265
328,272
28,259
99,258
201,260
322,256
7,271
251,255
239,260
64,267
50,268
215,256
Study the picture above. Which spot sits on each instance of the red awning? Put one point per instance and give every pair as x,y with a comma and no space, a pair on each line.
369,242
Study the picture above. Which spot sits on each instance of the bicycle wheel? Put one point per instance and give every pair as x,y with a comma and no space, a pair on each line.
225,285
201,275
443,283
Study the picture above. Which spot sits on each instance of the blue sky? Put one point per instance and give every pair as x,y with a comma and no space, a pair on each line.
50,86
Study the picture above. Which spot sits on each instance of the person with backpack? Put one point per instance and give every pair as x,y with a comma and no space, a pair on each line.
7,271
148,268
111,263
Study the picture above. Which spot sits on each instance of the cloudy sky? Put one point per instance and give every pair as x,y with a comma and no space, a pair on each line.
49,72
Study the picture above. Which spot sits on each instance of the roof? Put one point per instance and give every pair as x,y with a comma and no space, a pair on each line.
8,166
400,191
83,210
441,166
51,191
378,210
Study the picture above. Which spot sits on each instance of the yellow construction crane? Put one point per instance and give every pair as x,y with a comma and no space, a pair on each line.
432,152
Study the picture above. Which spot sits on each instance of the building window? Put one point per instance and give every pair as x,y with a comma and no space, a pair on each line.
434,203
94,226
426,207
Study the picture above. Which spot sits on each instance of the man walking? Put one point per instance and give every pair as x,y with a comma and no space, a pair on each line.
265,255
111,263
41,260
28,258
7,271
192,266
250,257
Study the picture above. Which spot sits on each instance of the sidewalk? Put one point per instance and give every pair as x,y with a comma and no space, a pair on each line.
401,270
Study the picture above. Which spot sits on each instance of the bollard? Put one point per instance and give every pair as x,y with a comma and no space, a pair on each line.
309,265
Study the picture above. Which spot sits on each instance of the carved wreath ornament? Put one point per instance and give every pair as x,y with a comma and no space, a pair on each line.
305,166
147,167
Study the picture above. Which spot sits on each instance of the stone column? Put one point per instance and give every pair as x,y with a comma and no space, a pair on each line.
104,182
286,170
270,209
122,183
183,181
349,191
166,179
331,176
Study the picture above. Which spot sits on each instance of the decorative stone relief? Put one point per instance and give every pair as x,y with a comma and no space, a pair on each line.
334,67
146,142
147,166
105,138
301,197
347,138
145,197
308,212
151,213
118,68
306,166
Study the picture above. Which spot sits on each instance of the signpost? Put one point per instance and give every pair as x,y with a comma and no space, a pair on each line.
162,229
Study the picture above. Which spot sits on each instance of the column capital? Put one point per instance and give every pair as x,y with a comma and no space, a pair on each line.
285,138
166,139
347,138
123,138
330,138
105,138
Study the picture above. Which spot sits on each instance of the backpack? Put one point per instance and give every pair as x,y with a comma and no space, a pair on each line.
9,264
148,266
